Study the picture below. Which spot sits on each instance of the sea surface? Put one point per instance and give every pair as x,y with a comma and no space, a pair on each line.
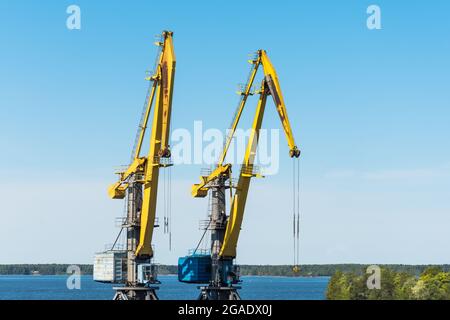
18,287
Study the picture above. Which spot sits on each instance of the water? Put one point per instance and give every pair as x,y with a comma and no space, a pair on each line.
18,287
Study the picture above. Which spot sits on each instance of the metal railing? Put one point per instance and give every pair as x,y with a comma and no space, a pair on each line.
117,247
205,172
209,225
162,161
123,222
250,169
199,252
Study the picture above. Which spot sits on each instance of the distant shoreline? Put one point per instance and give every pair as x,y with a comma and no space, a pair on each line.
171,275
309,270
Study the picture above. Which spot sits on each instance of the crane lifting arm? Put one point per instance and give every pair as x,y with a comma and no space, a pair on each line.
146,169
159,147
237,207
269,86
273,87
200,190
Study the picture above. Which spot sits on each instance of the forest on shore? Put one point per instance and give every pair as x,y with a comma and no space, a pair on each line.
433,283
310,270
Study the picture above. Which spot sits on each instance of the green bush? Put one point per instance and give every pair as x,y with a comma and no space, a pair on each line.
432,284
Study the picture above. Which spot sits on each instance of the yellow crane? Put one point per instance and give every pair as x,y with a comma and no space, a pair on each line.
139,182
225,229
146,168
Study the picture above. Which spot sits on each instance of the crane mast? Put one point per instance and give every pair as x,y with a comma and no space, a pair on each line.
225,229
139,182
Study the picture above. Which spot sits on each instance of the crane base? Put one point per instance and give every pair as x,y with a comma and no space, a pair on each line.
219,293
136,293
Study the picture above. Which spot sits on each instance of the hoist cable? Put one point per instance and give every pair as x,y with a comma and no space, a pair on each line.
164,201
170,208
298,211
201,239
294,211
117,238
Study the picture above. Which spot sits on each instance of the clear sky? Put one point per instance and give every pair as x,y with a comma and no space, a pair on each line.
370,110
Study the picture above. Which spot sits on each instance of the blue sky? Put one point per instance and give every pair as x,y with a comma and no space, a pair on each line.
369,109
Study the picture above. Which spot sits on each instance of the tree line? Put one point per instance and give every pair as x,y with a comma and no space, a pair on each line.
311,270
433,283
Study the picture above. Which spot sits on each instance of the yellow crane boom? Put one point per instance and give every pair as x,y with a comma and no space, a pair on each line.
145,169
270,86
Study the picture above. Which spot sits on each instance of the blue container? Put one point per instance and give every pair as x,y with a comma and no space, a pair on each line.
194,268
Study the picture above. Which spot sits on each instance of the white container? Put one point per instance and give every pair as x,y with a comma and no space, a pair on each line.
110,266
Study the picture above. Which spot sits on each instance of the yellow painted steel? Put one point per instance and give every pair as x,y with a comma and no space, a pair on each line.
269,86
150,185
237,117
143,126
167,81
233,229
275,90
200,190
146,169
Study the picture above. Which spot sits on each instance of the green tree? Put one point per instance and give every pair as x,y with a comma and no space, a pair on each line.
403,283
387,286
338,287
433,284
394,285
